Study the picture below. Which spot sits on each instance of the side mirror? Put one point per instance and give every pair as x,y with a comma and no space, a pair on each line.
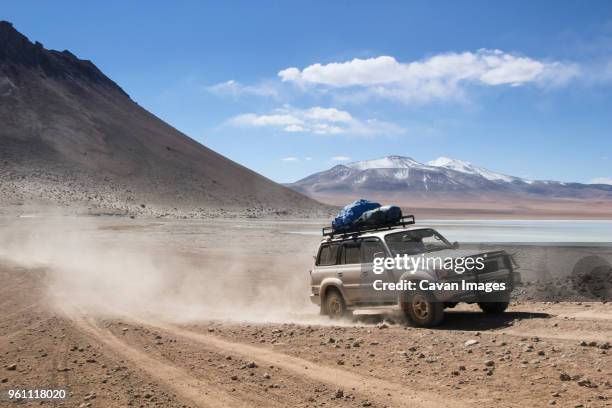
455,245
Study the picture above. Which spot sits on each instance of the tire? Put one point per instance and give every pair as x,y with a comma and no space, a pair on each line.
493,307
334,305
420,308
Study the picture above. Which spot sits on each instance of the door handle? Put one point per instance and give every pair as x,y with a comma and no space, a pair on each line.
340,273
364,273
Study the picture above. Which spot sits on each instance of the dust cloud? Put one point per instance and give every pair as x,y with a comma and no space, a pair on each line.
173,271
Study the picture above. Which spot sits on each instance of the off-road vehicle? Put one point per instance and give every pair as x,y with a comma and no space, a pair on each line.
343,277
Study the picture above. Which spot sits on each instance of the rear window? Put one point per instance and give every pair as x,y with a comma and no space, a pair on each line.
351,253
328,255
369,248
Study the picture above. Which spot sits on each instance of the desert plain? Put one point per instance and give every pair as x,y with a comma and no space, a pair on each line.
152,312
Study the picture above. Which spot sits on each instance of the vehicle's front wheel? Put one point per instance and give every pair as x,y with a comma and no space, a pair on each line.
334,305
422,310
493,307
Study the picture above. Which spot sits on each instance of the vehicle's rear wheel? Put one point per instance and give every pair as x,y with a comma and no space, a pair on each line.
422,309
334,305
493,307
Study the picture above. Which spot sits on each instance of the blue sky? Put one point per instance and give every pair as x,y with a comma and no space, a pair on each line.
290,88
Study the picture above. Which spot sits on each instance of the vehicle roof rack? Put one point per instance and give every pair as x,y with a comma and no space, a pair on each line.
360,229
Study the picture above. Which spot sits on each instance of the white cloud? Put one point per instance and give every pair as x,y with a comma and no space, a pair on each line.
290,121
308,158
601,180
290,159
329,114
341,158
294,128
440,77
235,89
317,120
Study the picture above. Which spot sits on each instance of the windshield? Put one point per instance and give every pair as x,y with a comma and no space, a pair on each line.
416,242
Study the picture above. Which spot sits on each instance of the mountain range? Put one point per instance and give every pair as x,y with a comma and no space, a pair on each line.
71,137
404,177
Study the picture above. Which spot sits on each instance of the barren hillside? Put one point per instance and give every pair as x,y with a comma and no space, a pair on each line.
72,137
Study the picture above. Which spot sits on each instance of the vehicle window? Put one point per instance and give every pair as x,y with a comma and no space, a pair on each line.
351,253
416,242
328,255
369,248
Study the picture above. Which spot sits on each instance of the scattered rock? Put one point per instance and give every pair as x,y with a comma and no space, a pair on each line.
266,376
11,367
470,342
339,393
489,363
585,382
564,376
90,396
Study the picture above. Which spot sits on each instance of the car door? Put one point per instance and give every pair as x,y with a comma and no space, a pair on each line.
326,264
369,248
349,270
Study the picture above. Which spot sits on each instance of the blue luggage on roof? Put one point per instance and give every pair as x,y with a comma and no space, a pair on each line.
385,215
347,217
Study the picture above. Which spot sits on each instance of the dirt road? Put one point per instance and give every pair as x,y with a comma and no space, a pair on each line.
143,362
116,339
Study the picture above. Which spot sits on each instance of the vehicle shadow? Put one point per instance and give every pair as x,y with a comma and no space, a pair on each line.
461,320
477,321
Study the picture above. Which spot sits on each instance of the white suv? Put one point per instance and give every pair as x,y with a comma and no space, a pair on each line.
343,276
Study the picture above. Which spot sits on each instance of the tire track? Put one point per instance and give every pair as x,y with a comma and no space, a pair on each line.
377,390
180,381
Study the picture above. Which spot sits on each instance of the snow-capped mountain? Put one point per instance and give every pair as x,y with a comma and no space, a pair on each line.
399,174
468,168
389,162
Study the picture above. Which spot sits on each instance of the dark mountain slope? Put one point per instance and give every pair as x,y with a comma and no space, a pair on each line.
71,136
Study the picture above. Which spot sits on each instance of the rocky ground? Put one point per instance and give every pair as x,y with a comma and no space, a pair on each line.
140,340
